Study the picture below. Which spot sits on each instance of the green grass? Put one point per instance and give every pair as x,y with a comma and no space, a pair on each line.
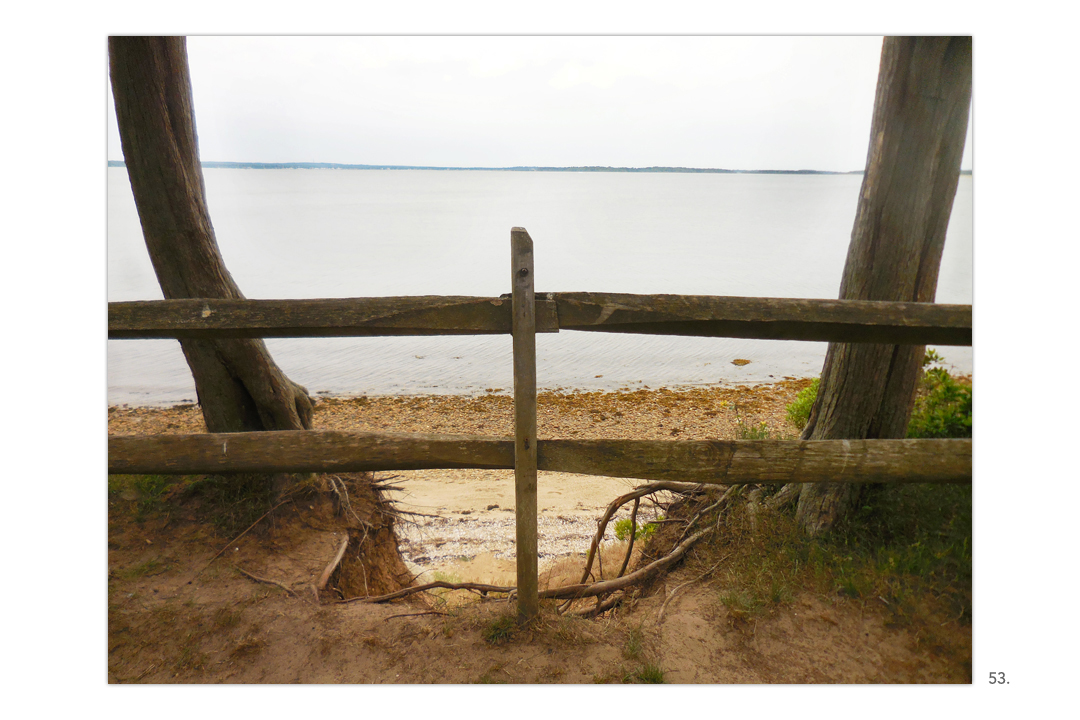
909,546
500,630
647,673
145,493
231,503
634,646
752,431
747,430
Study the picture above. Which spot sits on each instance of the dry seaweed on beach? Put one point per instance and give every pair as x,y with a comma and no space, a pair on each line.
697,413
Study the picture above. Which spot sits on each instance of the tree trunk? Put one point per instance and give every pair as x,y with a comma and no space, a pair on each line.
239,386
912,170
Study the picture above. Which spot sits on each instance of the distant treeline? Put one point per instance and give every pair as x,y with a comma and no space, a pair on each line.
518,168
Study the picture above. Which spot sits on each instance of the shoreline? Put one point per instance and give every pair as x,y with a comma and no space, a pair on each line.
329,395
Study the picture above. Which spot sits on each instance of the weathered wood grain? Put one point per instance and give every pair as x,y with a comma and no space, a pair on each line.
696,461
524,332
304,451
700,315
327,317
766,318
763,461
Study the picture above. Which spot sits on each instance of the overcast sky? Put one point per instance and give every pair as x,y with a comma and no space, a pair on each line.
783,102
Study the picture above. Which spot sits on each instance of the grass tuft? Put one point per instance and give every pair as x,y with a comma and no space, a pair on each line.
647,673
144,492
500,630
634,644
232,502
909,547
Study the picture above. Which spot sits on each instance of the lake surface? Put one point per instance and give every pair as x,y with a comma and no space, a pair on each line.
366,233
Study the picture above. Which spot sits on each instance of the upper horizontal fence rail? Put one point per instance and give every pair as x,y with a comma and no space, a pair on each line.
329,317
698,461
690,315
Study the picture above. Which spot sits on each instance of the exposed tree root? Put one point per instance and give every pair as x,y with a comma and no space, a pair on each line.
671,595
332,566
787,496
237,538
610,593
639,576
635,494
256,578
633,536
571,592
404,592
600,608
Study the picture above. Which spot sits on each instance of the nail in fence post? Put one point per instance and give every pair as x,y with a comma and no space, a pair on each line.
524,333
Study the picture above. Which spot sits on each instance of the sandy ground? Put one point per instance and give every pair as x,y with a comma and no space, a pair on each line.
174,618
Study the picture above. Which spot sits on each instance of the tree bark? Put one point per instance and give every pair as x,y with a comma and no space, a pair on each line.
239,386
912,170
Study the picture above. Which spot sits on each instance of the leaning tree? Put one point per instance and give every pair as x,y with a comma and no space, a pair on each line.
912,170
240,387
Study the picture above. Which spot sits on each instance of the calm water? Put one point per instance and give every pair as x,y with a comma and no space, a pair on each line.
359,233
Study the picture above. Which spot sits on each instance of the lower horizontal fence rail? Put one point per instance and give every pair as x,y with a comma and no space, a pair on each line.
700,461
763,461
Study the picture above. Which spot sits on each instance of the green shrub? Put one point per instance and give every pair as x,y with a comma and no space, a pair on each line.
942,408
798,412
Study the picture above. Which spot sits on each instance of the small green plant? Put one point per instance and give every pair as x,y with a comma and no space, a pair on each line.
751,431
500,630
150,489
741,603
798,412
634,644
644,532
647,673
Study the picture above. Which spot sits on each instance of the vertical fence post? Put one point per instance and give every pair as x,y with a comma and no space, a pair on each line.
524,333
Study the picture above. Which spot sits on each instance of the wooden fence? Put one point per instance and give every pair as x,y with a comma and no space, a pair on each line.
523,313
